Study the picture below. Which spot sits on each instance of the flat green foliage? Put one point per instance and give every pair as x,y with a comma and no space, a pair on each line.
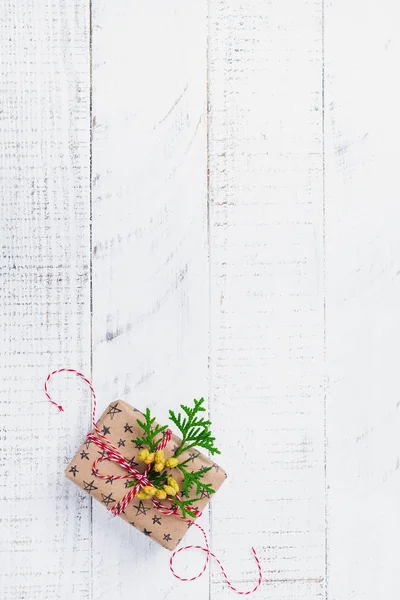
150,432
195,430
193,479
184,506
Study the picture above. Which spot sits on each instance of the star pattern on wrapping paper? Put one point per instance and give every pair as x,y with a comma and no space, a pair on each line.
174,449
114,410
73,470
141,509
137,410
193,455
84,455
146,531
128,427
157,520
89,487
87,444
190,523
167,537
216,467
205,494
132,462
132,523
139,446
127,482
103,453
109,479
107,499
121,443
106,430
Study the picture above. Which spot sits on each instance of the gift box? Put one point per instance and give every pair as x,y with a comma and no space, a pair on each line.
118,425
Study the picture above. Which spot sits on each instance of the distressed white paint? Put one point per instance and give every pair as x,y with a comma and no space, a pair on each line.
363,299
278,299
45,540
150,271
267,329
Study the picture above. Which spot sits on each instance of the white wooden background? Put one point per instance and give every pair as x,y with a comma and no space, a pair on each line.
204,200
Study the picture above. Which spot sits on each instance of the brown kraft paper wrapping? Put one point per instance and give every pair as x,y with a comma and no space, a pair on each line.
119,425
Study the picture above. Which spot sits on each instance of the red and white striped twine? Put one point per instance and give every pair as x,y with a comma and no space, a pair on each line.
111,453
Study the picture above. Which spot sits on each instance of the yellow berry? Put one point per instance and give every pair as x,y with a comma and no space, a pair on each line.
159,466
161,494
171,481
143,454
142,495
170,490
149,458
159,456
172,462
149,490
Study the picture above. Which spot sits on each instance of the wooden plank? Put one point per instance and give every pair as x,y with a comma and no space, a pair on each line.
44,295
150,279
267,321
363,297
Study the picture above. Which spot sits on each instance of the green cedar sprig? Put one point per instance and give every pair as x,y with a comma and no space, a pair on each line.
195,431
191,479
184,506
150,432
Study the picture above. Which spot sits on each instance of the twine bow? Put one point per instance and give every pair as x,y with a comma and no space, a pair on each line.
111,453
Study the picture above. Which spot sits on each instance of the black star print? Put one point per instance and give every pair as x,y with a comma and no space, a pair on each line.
204,494
121,443
128,428
105,430
156,520
137,410
141,509
110,479
174,449
89,487
139,446
167,537
146,532
179,541
84,455
87,444
73,470
127,482
132,523
132,462
114,410
193,455
103,453
216,467
190,523
107,499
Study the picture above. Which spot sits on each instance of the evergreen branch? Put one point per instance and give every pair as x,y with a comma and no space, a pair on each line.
191,479
184,506
195,431
150,432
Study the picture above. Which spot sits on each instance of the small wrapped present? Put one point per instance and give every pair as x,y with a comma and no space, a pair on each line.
102,472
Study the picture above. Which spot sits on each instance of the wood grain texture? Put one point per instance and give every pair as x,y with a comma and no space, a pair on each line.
267,327
150,278
363,298
277,298
44,295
